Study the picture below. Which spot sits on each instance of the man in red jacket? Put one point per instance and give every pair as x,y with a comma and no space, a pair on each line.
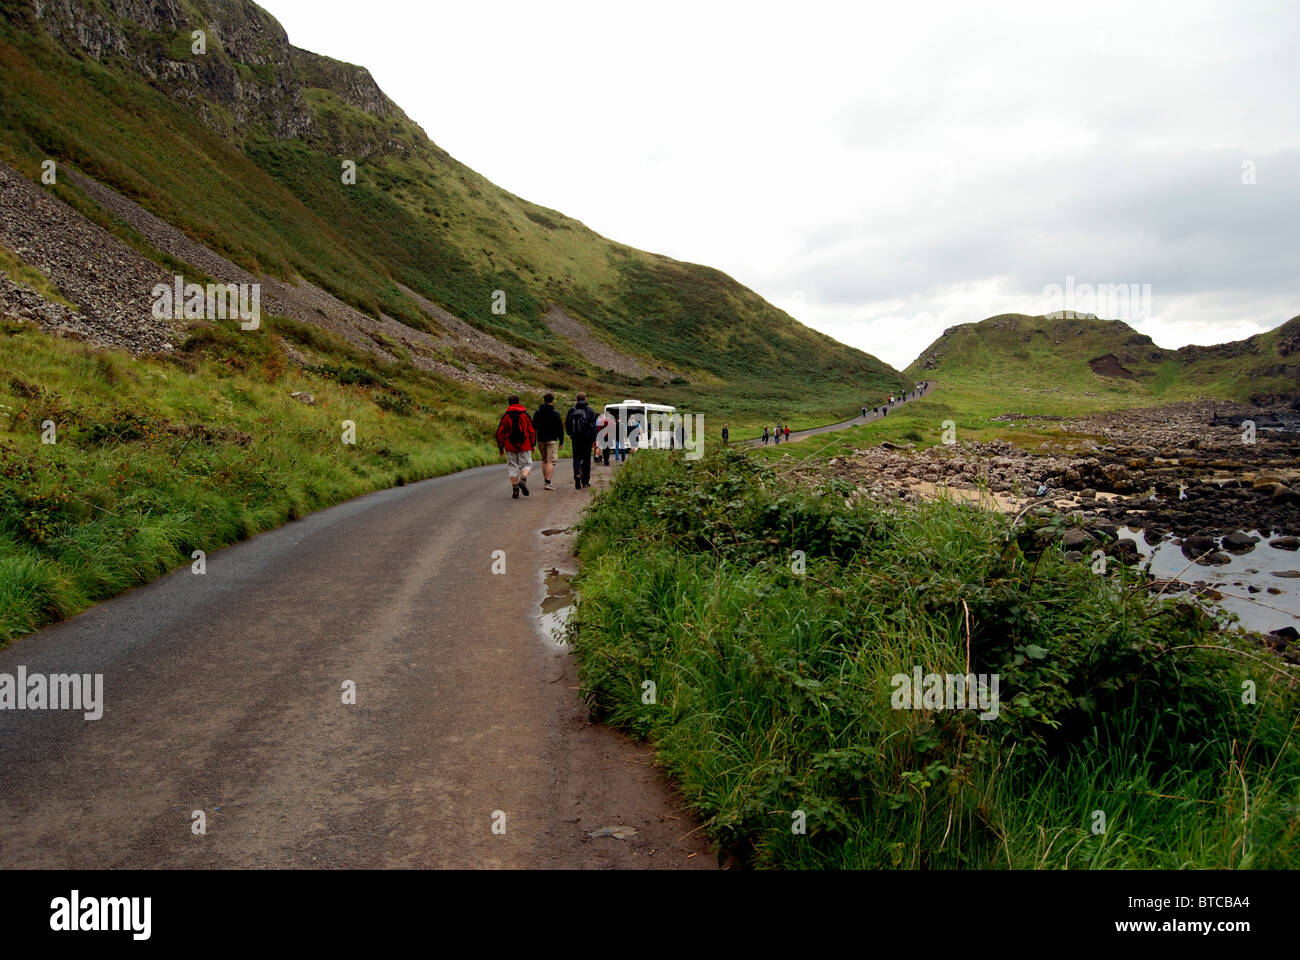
516,439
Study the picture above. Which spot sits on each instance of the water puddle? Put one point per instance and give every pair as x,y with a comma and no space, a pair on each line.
1247,583
557,605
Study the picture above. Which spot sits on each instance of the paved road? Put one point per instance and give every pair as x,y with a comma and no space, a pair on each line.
832,427
223,693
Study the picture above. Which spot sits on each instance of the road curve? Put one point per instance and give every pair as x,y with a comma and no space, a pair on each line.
832,427
223,693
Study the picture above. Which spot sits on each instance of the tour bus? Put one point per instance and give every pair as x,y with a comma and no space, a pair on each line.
650,426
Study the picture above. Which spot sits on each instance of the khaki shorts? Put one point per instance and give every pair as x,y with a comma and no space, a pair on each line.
548,451
518,463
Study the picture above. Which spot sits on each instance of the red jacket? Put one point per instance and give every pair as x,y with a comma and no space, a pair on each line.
525,422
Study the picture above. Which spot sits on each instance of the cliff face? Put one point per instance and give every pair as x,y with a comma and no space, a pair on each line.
250,75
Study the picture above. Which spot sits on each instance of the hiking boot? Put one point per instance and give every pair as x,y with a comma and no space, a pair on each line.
514,493
577,484
523,486
549,486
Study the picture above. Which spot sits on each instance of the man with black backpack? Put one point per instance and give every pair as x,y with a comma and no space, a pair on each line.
580,425
516,439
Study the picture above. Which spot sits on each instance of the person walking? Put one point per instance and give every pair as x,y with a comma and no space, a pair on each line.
580,425
516,438
604,443
787,433
864,413
726,435
777,431
620,439
550,437
765,436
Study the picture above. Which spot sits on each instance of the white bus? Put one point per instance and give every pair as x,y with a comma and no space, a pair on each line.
649,426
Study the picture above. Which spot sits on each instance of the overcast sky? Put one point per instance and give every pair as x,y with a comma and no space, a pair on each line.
882,171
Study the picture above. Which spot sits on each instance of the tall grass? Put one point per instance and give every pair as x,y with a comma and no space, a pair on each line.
156,458
772,688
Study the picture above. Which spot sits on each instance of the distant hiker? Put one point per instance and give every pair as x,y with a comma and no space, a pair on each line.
777,431
726,435
604,445
620,440
580,425
632,442
864,413
550,436
787,433
765,435
516,438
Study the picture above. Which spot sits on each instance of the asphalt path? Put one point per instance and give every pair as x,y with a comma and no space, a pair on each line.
223,694
841,425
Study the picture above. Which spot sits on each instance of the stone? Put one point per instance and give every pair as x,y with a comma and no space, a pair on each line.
1076,538
1194,547
1239,542
1126,549
1283,494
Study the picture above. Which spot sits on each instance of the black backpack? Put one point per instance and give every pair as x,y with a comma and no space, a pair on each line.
581,423
517,435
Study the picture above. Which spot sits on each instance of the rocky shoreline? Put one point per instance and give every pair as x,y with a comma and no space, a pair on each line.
1191,474
1183,469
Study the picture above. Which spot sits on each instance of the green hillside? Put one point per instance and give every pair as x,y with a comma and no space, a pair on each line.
242,148
1105,363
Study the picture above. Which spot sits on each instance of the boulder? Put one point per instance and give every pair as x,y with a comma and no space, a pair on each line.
1126,549
1215,559
1076,538
1239,542
1193,547
1285,543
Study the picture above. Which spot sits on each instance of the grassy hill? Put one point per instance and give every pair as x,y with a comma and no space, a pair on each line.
242,147
1058,367
1107,360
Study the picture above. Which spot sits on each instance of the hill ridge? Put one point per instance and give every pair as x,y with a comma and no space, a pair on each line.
1060,349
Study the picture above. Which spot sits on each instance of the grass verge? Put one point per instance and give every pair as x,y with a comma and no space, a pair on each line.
155,458
1122,740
